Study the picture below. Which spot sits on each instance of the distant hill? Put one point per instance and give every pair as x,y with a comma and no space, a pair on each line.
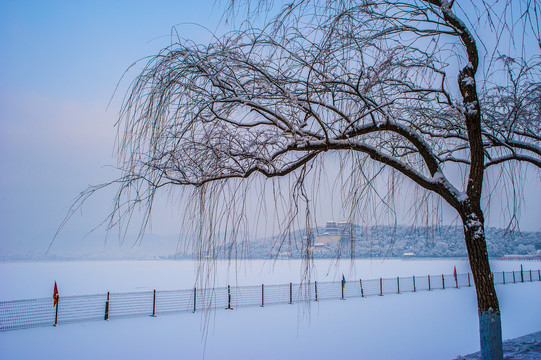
390,241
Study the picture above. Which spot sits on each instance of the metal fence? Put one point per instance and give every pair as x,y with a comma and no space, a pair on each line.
21,314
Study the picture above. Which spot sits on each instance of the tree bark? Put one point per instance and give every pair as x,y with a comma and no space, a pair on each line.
488,307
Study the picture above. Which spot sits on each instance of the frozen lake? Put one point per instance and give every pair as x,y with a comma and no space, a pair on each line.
23,280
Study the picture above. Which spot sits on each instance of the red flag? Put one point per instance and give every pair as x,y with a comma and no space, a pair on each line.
55,295
454,273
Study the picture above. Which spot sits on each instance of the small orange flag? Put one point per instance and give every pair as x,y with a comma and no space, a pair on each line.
55,295
454,273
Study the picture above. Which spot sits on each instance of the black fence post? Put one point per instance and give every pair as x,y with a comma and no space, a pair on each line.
106,317
380,287
456,281
342,286
154,304
229,298
469,281
429,287
315,287
414,288
291,293
398,285
56,310
514,279
531,276
503,277
361,283
262,295
194,298
442,282
521,274
539,274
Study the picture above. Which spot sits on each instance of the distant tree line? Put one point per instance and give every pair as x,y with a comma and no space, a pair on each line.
390,241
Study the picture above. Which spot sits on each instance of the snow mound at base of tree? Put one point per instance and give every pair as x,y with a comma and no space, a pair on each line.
526,347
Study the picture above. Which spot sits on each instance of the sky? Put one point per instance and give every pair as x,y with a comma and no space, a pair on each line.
60,63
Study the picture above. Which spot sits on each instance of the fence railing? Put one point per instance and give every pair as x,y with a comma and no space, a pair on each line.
21,314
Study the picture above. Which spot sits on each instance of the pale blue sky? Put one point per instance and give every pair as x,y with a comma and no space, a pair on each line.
59,64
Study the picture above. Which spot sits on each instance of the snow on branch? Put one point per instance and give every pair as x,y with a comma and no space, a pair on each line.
375,78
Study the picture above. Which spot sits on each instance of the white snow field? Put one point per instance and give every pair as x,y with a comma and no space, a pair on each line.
440,324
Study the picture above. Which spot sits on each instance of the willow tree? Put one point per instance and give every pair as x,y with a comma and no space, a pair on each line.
424,88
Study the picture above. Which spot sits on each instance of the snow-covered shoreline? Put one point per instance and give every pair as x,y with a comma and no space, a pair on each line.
424,325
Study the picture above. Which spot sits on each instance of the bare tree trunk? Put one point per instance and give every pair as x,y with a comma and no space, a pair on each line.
489,310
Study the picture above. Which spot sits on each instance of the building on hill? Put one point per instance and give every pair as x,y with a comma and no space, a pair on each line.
340,228
326,240
335,232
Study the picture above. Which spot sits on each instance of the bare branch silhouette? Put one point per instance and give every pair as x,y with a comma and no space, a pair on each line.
419,88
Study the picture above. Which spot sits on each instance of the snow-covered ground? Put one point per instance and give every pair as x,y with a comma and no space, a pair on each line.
424,325
527,347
